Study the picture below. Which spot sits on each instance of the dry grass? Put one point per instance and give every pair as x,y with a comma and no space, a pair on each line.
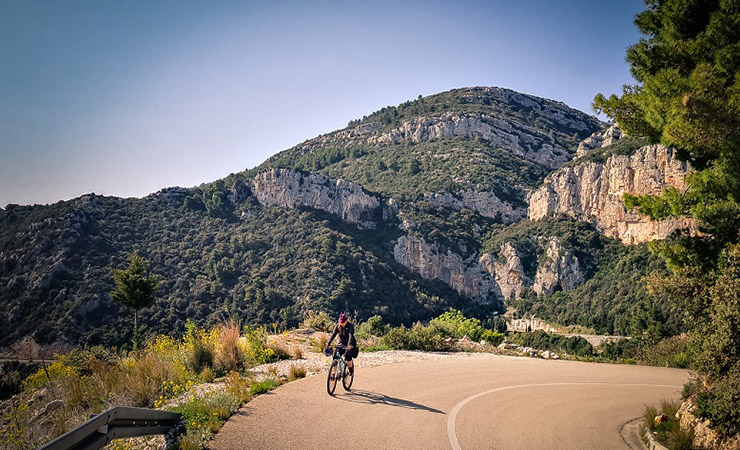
318,344
229,354
298,352
296,372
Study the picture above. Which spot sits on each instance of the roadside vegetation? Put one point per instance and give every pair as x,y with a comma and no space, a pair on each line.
686,96
203,375
665,427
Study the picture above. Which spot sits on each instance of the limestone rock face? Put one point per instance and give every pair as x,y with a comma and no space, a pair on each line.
599,139
508,272
466,276
592,192
559,270
290,188
490,277
527,143
486,203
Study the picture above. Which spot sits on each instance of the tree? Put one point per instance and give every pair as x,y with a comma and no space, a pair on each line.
135,288
688,97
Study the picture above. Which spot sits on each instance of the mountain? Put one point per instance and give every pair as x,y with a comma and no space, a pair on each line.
475,198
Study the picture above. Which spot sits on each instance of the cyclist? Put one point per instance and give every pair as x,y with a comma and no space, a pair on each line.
346,331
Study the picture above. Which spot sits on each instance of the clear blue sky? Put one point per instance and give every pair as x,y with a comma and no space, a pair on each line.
127,97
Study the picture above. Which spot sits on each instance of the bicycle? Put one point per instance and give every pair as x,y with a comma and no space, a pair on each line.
337,370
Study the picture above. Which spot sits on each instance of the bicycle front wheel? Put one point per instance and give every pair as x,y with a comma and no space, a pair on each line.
332,377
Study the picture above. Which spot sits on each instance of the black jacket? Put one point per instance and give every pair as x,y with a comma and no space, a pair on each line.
346,335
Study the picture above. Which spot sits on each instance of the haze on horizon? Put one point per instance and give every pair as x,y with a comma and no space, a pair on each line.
128,98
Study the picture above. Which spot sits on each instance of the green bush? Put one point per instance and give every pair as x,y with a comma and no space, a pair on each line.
208,411
200,346
318,321
492,337
669,432
257,352
574,345
264,386
676,351
374,326
454,324
419,337
720,403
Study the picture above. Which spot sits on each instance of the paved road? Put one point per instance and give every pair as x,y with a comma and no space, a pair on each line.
481,402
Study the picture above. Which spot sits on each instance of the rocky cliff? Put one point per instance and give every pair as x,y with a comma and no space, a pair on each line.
493,277
466,275
592,191
291,188
599,139
485,203
518,138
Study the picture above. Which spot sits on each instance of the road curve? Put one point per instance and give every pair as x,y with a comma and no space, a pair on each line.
476,402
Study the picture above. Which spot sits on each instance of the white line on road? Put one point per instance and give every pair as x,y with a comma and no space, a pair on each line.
453,415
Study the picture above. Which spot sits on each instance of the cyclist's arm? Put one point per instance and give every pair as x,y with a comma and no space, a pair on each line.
351,336
333,335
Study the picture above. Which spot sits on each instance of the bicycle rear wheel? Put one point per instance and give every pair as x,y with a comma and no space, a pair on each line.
332,377
347,378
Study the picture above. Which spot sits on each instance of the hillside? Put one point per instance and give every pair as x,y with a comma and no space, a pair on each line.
404,213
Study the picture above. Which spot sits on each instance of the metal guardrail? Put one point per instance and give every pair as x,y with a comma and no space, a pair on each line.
115,423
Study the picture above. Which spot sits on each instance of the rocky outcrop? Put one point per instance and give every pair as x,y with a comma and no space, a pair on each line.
599,139
291,188
490,277
704,435
558,269
465,275
520,139
486,203
592,191
508,271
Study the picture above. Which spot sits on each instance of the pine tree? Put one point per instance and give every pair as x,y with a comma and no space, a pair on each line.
135,288
688,97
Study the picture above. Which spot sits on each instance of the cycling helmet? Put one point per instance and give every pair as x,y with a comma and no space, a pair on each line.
343,318
327,351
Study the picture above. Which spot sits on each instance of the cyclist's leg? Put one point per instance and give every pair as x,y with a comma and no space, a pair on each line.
349,357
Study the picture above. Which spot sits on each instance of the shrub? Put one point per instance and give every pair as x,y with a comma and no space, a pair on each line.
298,353
318,321
279,352
492,337
719,403
374,326
668,432
574,345
238,386
296,372
208,411
256,351
200,347
455,324
54,371
264,386
675,351
690,388
419,337
207,375
194,439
